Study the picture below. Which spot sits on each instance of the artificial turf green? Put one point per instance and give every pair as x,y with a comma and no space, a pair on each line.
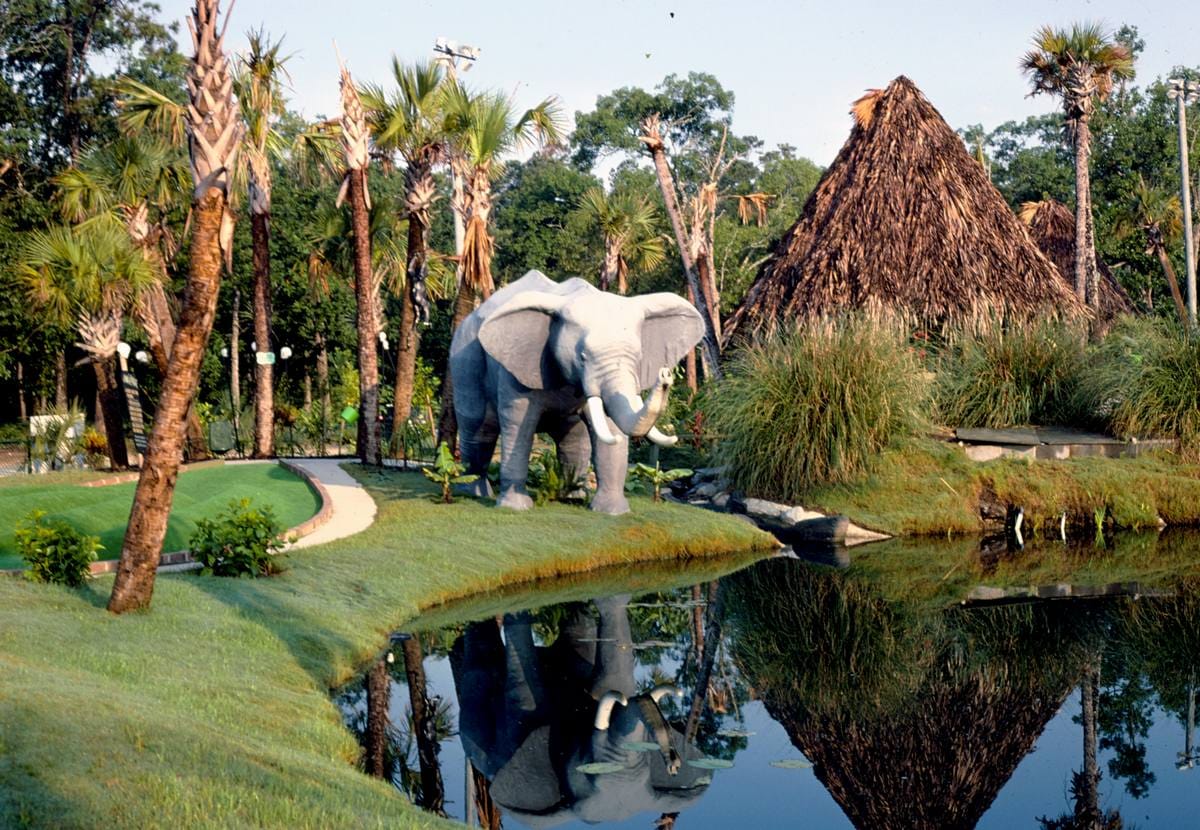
213,708
104,511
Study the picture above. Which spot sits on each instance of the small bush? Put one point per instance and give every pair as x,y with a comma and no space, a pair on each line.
815,406
55,551
238,542
656,477
1144,381
1025,375
550,480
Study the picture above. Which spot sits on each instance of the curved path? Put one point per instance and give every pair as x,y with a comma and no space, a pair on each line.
351,508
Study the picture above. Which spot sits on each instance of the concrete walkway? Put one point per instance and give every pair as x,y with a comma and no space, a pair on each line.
352,510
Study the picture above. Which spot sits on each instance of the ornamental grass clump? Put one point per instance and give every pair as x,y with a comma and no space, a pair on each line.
816,405
1010,377
1143,381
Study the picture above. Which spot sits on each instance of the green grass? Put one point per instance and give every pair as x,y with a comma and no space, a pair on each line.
213,709
104,511
932,488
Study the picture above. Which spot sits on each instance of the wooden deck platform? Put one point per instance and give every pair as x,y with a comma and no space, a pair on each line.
1052,443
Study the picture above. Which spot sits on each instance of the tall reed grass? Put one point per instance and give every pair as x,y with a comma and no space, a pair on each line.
815,406
1010,377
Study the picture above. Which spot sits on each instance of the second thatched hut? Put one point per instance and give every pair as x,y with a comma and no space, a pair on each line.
904,222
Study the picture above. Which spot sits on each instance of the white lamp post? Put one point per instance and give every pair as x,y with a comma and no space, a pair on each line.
1185,92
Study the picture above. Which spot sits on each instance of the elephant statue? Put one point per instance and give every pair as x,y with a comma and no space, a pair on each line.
569,360
533,718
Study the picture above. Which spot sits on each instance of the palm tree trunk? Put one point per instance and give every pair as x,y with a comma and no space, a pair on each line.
155,491
323,372
708,285
22,408
1172,281
433,792
108,395
447,428
1085,253
264,373
60,381
666,183
379,688
1087,807
160,331
609,270
410,335
364,290
235,369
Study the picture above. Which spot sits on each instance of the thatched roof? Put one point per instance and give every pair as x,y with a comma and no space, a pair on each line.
1052,228
904,221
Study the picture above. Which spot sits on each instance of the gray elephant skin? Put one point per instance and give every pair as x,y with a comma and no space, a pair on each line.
531,716
571,361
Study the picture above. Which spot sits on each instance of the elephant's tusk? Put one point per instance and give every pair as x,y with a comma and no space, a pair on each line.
661,439
604,711
664,689
595,413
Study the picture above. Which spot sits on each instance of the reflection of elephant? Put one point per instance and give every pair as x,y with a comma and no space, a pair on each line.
539,355
531,716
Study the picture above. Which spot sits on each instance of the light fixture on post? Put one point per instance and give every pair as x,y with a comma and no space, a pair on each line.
141,356
285,352
1183,92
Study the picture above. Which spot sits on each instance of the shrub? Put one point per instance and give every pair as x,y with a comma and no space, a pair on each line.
447,472
815,406
1144,381
55,551
1005,378
550,480
656,477
238,542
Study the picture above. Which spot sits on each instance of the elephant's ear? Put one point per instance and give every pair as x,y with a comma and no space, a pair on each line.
516,334
672,327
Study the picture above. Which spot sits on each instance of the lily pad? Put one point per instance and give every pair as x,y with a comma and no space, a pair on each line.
600,768
639,746
735,733
709,763
792,763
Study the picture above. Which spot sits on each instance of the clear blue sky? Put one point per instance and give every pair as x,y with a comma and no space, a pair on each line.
794,66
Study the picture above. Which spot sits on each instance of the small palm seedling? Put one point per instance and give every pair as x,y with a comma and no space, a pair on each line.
656,476
447,472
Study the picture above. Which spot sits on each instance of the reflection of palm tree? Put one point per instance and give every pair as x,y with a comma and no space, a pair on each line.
379,689
424,724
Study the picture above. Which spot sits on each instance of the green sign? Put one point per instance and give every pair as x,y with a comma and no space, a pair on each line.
265,358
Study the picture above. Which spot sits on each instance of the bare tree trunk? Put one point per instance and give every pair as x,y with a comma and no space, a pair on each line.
264,373
323,373
108,396
60,381
378,702
1172,281
1085,255
364,290
433,792
307,390
666,182
410,334
708,285
155,491
609,269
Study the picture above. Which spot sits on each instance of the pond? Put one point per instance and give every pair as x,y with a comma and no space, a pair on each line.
907,685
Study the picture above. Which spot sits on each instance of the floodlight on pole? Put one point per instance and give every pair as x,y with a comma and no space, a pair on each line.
1185,92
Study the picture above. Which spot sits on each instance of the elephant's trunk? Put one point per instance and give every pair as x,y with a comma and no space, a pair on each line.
632,416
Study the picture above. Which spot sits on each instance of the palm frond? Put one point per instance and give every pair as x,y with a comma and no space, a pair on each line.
144,108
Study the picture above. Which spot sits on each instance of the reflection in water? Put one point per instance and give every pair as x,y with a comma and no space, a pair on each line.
914,712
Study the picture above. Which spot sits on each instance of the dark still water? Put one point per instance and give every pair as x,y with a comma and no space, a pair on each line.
867,696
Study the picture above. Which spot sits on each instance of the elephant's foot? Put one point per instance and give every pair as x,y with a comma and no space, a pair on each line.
612,503
480,488
514,500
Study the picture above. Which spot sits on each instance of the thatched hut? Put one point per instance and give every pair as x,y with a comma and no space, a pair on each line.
1052,228
904,222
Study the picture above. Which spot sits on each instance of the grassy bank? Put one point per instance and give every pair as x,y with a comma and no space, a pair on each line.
213,709
104,511
931,488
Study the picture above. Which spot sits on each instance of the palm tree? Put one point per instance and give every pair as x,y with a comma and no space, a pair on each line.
90,276
411,122
1079,65
483,127
132,184
629,224
213,125
1155,213
258,85
356,143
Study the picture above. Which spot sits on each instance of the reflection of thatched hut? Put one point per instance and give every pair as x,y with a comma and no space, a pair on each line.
1052,229
905,221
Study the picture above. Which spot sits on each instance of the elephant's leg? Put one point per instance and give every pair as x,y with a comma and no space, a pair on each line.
477,442
574,450
612,464
518,425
